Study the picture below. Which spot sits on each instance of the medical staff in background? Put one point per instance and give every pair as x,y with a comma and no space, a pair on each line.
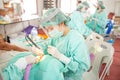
110,23
98,21
77,22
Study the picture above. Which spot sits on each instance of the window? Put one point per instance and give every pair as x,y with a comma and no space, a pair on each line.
24,6
67,6
92,4
19,10
50,4
30,6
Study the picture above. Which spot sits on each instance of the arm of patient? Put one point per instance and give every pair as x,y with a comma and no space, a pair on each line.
7,46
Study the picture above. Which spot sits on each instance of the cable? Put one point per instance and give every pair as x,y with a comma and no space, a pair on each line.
28,38
28,41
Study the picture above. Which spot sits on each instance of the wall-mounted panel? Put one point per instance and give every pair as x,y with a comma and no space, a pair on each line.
34,22
13,28
25,24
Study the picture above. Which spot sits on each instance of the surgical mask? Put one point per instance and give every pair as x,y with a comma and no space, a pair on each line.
55,33
83,10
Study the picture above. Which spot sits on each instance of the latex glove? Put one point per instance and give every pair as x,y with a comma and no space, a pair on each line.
21,63
95,19
37,51
95,36
54,52
30,59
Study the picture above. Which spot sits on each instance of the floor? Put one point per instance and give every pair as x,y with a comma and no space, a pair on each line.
115,68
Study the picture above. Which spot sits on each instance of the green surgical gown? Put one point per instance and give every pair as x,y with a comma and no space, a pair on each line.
74,47
11,72
99,24
77,23
48,69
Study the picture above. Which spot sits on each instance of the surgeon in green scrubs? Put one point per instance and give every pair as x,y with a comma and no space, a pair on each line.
66,57
77,19
77,22
98,21
68,46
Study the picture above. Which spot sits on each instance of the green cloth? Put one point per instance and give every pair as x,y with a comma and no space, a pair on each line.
48,69
11,72
99,24
77,23
74,47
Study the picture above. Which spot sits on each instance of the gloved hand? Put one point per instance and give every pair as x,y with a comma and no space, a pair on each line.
54,52
21,63
37,51
95,36
95,19
30,59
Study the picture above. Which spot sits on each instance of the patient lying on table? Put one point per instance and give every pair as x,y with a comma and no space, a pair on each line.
8,47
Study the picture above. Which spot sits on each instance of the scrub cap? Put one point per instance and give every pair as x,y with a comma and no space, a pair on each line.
101,4
53,17
83,4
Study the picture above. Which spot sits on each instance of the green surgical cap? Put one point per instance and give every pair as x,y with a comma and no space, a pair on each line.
101,4
53,16
83,4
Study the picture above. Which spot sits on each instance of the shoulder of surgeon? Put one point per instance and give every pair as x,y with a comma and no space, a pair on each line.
75,13
74,34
